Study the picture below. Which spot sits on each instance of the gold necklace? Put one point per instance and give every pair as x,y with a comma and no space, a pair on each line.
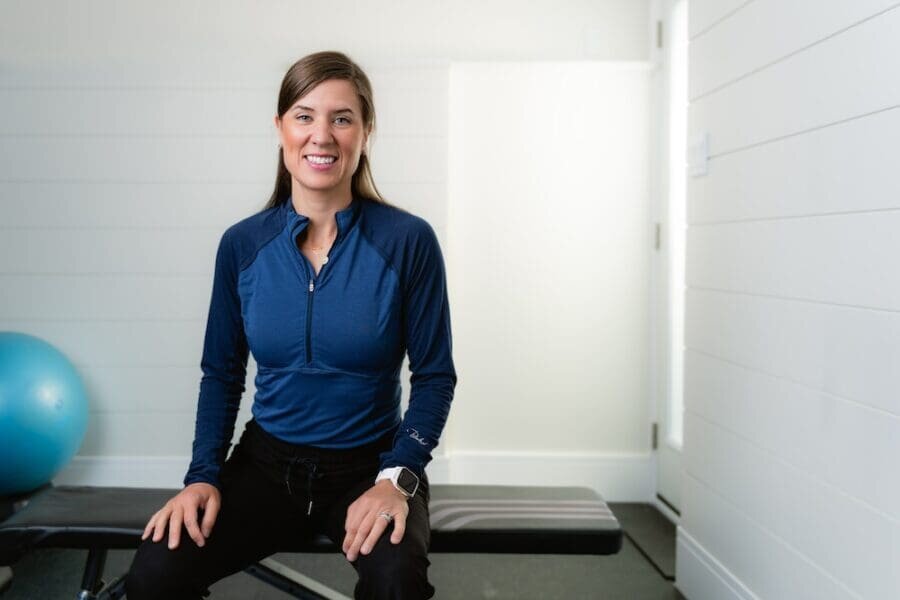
316,249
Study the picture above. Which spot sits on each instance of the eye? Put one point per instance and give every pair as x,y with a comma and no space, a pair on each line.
343,120
303,117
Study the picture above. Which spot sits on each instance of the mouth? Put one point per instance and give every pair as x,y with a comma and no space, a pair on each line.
320,161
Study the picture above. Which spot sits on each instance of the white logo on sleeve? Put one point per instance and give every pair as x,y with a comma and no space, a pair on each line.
415,435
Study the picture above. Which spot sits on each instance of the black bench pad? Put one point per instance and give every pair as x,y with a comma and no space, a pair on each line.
464,518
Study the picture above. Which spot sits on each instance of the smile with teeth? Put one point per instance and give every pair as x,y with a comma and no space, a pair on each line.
320,160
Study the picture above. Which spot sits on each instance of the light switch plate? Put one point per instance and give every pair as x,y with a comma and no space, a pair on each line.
698,155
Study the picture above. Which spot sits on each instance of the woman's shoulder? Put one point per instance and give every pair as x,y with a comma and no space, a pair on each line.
264,223
401,237
248,235
387,220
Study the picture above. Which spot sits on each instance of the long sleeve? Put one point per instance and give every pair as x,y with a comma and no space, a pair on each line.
426,322
224,367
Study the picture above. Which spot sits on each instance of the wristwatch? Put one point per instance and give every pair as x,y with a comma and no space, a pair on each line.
403,479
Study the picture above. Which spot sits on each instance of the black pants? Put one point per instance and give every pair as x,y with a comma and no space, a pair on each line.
268,488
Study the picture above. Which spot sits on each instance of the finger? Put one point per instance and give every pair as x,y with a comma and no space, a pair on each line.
150,525
190,523
348,539
210,512
351,525
377,529
175,522
162,517
360,537
349,536
399,528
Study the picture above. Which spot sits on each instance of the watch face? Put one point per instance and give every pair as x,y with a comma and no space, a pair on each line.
408,481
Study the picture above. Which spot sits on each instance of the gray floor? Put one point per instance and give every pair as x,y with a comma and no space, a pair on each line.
651,532
51,574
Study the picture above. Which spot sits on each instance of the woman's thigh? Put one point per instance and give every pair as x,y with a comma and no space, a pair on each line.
417,521
390,570
255,520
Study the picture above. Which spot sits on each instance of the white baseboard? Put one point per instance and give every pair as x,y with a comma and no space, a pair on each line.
618,478
666,511
125,471
699,576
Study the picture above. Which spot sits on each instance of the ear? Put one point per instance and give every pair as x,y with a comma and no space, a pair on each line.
277,121
365,143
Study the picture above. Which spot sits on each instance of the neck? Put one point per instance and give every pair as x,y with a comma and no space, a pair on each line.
320,209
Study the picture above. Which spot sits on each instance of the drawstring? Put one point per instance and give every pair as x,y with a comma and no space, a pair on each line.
311,474
287,475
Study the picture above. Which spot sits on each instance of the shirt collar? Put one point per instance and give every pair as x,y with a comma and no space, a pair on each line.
297,222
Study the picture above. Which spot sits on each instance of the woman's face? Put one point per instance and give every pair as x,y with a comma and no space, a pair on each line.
322,136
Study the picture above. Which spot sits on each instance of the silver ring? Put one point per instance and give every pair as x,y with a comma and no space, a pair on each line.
387,516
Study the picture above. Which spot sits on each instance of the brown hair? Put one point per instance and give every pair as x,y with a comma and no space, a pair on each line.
300,79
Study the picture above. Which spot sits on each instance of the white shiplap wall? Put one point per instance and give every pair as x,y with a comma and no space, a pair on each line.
114,197
132,135
793,305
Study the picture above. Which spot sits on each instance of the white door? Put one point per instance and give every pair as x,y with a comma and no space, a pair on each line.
669,278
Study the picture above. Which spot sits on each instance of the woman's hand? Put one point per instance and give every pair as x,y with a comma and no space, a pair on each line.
364,526
183,509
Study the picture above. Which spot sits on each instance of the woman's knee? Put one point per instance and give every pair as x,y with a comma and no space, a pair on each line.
393,571
157,572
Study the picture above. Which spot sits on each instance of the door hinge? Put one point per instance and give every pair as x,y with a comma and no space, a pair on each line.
657,236
654,436
659,34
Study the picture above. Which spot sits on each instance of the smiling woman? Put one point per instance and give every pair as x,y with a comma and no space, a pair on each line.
329,287
322,138
305,86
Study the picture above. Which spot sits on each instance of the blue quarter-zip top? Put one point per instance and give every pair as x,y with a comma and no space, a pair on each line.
328,347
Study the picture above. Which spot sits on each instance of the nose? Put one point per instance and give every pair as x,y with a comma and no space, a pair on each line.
321,133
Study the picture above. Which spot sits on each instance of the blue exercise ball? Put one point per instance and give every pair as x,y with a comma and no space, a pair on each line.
43,412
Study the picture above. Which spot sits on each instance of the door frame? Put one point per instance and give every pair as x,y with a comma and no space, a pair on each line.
667,452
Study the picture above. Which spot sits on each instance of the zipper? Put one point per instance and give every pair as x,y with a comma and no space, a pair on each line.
309,302
310,273
312,288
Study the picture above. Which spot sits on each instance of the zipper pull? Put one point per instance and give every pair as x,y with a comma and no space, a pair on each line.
309,510
312,285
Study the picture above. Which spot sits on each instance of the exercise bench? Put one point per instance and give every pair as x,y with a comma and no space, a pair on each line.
464,519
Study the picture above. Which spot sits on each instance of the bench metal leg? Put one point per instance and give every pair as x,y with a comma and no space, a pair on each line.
292,582
91,579
268,571
114,591
92,584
